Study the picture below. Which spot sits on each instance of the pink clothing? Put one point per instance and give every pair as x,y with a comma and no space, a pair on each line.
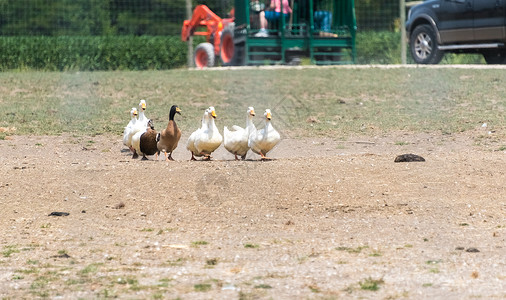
286,6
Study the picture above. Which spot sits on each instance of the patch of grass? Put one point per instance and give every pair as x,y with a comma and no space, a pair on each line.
463,224
40,283
90,269
302,259
73,281
401,143
263,286
28,271
433,262
147,230
408,246
376,253
127,280
370,284
252,246
202,287
352,250
427,284
164,282
106,293
199,243
502,148
9,250
176,263
212,262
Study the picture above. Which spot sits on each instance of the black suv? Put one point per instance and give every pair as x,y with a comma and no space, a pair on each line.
458,26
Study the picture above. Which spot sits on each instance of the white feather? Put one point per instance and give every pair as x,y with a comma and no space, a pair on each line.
127,133
209,138
236,141
262,141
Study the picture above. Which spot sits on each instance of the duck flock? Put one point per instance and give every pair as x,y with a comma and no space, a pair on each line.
141,137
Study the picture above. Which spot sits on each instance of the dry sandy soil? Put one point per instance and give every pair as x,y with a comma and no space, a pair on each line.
326,219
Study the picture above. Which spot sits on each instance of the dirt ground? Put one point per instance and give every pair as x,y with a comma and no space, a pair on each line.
327,219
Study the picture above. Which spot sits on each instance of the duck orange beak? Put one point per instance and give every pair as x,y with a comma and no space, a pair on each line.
213,114
269,116
143,106
252,113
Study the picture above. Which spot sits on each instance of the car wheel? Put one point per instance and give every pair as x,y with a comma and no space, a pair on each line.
227,48
204,55
424,46
495,57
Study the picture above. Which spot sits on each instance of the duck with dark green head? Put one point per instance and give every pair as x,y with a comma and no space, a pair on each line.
168,139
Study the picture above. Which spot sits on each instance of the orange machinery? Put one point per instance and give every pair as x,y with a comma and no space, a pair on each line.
206,53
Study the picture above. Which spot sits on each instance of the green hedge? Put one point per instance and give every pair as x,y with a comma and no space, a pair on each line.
159,52
92,53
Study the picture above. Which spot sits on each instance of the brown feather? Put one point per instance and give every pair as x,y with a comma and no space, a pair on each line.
169,137
148,142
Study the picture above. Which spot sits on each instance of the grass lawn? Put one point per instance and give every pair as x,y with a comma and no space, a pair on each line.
323,101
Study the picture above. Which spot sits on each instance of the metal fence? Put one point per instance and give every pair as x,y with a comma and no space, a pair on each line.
165,18
144,17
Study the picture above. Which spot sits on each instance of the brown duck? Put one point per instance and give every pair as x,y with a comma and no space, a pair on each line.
144,142
169,137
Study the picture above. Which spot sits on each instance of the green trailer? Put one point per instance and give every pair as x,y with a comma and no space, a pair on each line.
322,30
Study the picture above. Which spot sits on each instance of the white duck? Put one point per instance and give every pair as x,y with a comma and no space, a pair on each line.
190,145
262,141
209,138
142,117
236,141
127,133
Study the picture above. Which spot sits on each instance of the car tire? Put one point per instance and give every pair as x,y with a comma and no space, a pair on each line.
204,55
495,57
424,46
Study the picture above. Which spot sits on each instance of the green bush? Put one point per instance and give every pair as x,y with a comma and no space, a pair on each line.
381,47
92,53
384,47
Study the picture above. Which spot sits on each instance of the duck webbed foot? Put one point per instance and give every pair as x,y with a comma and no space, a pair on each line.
264,158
